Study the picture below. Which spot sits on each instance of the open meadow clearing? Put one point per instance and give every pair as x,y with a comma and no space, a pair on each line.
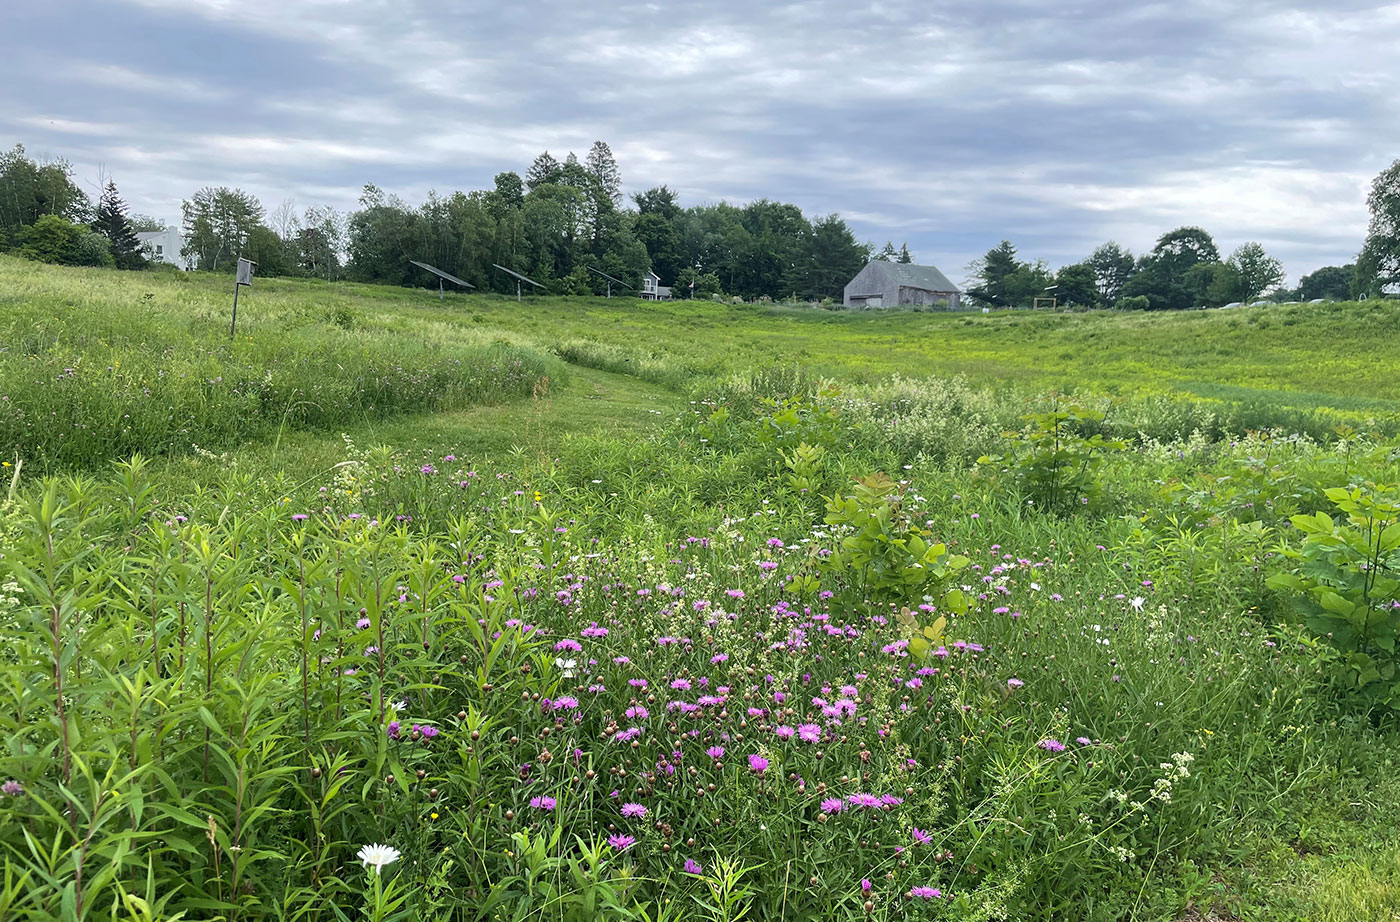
596,608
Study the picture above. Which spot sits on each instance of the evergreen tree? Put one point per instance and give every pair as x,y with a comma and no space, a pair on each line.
904,255
994,274
888,253
113,224
603,166
544,170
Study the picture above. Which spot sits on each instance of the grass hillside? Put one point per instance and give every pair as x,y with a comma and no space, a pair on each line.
593,609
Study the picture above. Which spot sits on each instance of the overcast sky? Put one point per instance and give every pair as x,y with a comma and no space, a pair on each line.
949,125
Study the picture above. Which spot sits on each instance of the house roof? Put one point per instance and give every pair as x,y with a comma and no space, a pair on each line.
926,277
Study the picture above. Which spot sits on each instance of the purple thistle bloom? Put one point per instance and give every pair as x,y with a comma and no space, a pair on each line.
1050,745
809,733
865,884
692,867
1014,683
925,893
921,837
715,752
868,801
758,764
543,803
621,842
833,805
393,729
362,624
11,788
632,811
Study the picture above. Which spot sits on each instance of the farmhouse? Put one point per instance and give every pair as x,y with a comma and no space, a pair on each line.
652,289
164,246
888,284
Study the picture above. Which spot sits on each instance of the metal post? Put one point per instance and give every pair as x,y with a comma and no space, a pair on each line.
439,289
517,292
232,326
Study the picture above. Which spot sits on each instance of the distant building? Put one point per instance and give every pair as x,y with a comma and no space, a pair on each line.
890,284
164,246
652,289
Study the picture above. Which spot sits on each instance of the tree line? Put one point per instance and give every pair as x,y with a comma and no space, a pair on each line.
563,222
1185,269
558,223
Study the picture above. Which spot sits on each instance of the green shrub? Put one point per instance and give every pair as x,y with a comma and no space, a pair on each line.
1056,459
1345,583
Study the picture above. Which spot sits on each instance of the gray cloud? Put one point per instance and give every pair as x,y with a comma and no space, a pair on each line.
947,124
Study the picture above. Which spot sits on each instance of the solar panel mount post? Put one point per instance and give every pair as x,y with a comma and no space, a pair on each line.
611,281
442,275
518,279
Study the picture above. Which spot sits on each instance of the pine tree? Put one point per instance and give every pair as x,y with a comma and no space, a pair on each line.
887,254
544,170
603,166
904,255
112,223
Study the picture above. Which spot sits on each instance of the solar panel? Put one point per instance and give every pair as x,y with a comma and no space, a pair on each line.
621,284
517,275
606,276
438,272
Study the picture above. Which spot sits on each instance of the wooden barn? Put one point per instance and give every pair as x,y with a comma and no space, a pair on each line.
889,284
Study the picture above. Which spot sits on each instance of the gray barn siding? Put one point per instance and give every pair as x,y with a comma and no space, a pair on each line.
899,284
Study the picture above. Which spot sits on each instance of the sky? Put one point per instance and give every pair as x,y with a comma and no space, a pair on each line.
946,124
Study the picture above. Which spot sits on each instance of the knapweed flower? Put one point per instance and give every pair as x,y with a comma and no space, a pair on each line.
377,856
11,788
1014,683
921,837
758,764
634,811
543,803
833,805
868,801
362,624
692,867
1051,745
621,842
924,893
809,733
715,752
393,729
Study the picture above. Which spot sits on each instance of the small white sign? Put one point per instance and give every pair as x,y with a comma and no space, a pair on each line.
245,271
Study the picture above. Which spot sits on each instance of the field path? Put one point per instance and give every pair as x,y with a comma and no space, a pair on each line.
592,403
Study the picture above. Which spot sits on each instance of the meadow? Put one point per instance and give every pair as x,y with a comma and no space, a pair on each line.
602,609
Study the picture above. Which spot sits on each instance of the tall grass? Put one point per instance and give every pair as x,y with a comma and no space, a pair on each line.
84,380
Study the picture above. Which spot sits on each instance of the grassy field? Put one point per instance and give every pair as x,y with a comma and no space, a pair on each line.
597,609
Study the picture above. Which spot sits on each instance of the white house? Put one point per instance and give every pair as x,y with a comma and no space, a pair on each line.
164,246
652,289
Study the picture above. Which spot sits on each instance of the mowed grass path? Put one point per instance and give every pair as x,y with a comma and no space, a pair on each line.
594,403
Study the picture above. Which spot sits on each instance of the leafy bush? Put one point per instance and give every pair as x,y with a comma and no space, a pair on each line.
1055,461
1346,586
879,543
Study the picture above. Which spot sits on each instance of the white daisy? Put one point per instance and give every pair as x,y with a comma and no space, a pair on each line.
378,856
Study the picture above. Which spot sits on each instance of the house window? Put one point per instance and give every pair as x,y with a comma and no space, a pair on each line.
160,250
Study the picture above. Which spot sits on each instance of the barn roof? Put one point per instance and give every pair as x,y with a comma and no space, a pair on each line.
926,277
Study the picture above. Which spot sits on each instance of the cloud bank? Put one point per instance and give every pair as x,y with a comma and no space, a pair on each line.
949,125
